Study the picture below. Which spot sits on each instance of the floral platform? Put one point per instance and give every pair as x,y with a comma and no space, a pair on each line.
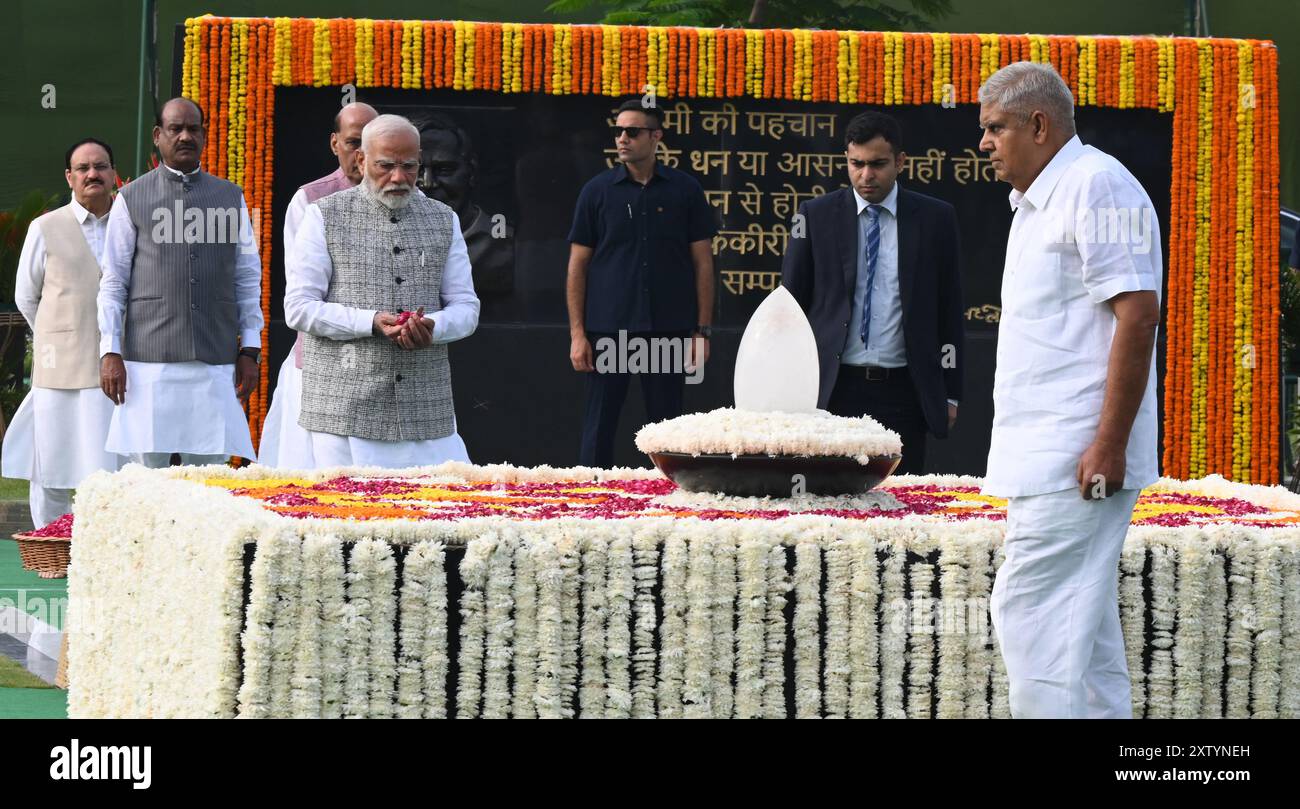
506,592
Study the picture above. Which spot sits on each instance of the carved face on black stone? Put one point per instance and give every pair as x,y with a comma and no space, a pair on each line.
448,169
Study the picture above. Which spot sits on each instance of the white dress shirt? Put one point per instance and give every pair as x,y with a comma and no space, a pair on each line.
293,216
309,268
886,348
1065,259
119,257
284,443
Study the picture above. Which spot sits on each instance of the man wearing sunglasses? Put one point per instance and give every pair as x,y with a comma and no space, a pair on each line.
640,268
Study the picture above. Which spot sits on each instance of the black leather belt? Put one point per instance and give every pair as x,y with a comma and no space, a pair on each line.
875,373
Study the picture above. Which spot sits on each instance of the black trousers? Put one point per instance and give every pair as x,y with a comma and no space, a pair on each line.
892,402
662,393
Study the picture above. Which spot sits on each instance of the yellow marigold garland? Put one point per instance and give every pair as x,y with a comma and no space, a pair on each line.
1245,351
1200,304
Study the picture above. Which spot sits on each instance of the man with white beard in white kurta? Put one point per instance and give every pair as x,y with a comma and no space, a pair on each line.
57,436
180,313
284,442
1074,396
367,264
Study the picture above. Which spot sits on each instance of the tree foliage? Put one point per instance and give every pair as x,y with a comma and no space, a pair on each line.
864,15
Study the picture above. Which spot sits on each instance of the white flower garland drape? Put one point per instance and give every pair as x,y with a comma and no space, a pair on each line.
803,616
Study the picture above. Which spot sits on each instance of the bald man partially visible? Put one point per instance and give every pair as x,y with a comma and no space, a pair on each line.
345,140
284,443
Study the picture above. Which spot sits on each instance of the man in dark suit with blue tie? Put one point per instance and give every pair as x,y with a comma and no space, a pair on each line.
876,269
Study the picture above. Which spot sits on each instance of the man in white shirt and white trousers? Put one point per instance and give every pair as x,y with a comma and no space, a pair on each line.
1074,426
377,383
57,436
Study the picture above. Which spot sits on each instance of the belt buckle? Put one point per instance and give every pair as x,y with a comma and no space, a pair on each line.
875,374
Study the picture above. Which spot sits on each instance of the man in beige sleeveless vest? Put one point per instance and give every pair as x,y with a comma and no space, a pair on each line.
377,385
284,443
57,437
180,311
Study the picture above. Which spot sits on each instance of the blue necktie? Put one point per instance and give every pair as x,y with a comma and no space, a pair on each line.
873,253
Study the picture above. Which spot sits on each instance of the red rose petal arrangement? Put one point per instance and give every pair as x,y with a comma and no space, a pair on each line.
62,528
363,498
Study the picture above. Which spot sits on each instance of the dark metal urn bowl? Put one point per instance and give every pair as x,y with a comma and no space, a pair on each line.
773,476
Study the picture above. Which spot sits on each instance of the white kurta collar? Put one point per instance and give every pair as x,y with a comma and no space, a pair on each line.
1040,190
180,173
81,212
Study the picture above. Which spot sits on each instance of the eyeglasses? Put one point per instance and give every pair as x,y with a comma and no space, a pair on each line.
633,132
408,167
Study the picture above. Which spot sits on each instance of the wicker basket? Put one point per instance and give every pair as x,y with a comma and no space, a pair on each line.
48,556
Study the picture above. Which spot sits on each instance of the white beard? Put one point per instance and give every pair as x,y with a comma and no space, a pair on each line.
391,201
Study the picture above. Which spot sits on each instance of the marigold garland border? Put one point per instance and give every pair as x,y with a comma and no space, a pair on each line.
1221,397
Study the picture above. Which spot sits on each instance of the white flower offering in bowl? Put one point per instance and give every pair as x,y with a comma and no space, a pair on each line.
772,454
775,442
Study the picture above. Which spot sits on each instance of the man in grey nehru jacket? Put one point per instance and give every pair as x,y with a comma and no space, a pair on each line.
379,280
180,314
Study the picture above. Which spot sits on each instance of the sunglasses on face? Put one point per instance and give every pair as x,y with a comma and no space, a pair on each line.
633,132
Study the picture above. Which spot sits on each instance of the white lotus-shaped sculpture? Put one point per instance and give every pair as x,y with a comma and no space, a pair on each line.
776,367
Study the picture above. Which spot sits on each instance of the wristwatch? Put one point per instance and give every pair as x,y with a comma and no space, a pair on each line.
704,331
252,353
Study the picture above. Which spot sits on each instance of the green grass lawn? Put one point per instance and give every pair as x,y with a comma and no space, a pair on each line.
13,675
13,489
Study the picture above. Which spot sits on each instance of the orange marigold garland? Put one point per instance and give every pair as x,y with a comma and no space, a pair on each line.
925,84
536,42
222,109
212,81
394,54
1212,394
426,55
